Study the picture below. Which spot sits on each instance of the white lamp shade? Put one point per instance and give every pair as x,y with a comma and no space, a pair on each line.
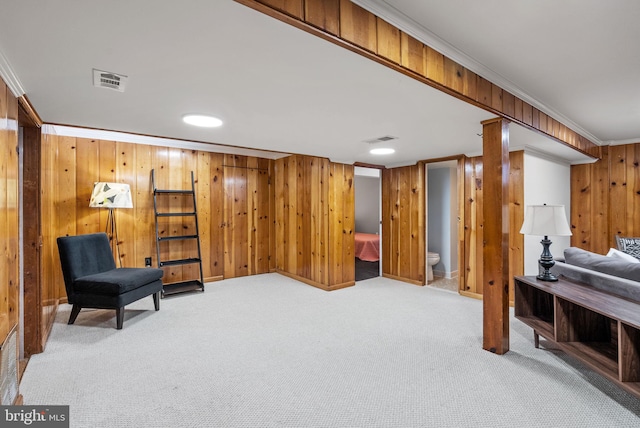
111,195
545,220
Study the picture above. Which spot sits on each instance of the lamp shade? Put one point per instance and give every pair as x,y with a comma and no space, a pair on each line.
545,220
111,195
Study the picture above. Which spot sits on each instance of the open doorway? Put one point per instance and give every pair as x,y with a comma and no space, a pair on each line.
367,184
442,224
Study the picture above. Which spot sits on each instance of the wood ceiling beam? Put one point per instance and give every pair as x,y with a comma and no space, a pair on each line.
358,30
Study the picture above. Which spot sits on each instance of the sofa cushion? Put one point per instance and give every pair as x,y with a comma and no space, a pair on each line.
622,287
598,262
116,281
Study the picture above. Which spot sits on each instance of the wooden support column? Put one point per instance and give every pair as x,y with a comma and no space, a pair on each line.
34,337
495,213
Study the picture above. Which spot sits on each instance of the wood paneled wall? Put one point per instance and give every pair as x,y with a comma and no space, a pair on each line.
472,241
403,224
9,220
295,215
403,214
315,221
247,216
50,281
352,27
471,274
516,218
234,200
35,332
605,198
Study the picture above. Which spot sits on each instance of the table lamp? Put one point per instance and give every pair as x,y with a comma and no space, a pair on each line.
545,220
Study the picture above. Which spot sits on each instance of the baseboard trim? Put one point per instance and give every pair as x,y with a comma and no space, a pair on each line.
399,278
214,278
316,284
447,275
472,295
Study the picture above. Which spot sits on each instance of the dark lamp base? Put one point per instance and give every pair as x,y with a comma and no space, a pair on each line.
546,262
547,276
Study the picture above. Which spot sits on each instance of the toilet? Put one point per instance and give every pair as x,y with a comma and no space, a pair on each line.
432,259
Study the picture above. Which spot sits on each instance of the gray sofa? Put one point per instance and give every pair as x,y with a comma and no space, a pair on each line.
608,274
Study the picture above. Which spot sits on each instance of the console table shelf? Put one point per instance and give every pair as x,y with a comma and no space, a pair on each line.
600,329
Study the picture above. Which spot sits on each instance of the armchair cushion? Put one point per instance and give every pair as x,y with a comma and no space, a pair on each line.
116,281
93,281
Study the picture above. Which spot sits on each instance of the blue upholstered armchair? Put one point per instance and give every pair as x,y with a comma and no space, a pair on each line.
93,281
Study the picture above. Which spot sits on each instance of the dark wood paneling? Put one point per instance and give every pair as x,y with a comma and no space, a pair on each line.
33,330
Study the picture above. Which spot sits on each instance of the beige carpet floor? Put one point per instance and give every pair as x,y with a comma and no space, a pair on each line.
268,351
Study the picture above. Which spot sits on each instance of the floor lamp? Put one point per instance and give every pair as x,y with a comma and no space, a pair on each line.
111,195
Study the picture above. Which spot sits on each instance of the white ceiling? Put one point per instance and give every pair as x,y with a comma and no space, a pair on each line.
577,59
278,88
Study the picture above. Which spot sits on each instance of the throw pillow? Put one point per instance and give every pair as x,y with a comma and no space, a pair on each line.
620,255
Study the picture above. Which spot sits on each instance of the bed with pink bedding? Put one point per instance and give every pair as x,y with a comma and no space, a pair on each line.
368,247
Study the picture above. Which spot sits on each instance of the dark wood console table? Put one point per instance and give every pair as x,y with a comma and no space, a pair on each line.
598,328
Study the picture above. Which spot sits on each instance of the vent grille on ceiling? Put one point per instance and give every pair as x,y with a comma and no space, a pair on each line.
380,139
109,80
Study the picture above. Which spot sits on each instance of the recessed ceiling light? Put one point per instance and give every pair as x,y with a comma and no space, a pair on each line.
202,120
382,151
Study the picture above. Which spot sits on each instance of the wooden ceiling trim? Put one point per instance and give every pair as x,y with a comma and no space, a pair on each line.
31,117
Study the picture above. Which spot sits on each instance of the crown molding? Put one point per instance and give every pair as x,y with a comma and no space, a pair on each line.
622,142
10,78
393,16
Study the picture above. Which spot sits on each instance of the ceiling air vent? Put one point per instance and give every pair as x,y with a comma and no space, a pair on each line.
380,139
109,80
